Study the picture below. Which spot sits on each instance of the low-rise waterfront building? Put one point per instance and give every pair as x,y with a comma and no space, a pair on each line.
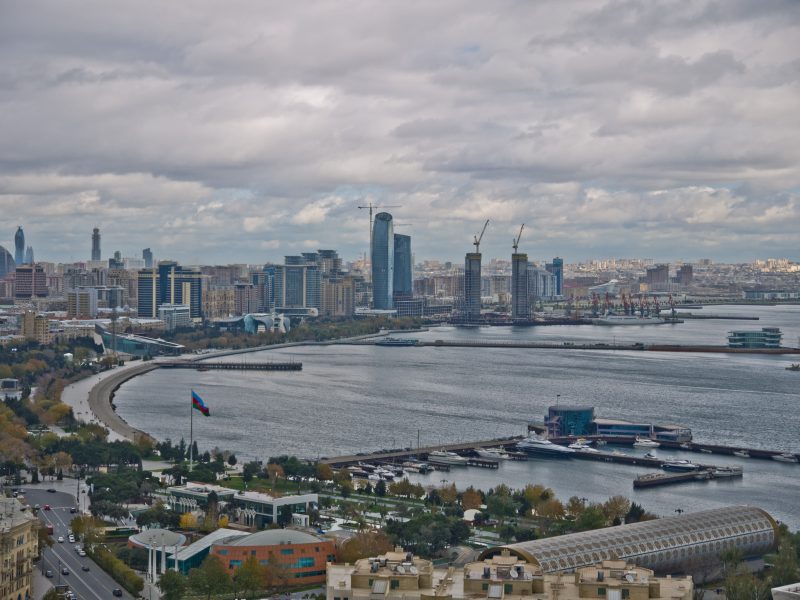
301,556
19,546
768,337
251,509
10,389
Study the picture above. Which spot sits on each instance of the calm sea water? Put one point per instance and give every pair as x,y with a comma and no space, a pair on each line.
359,398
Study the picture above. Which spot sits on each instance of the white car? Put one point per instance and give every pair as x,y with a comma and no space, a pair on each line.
81,552
61,539
71,539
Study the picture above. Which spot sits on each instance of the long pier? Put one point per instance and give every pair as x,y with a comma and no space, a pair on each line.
231,366
590,346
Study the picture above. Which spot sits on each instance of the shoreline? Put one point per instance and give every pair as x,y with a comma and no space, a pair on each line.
99,398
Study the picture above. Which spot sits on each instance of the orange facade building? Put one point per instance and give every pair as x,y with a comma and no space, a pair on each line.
303,556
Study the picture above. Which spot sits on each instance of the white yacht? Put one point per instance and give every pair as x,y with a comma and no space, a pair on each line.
641,442
742,453
448,458
786,457
728,471
539,447
492,453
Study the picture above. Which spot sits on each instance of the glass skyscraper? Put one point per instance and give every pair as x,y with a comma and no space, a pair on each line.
557,269
472,287
403,289
382,261
19,246
520,303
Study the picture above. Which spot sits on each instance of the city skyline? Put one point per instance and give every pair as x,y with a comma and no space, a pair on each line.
622,129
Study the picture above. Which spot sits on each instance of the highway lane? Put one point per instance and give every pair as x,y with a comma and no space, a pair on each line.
94,584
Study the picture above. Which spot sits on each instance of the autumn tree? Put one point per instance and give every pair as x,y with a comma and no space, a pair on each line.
363,545
471,498
324,472
616,507
274,471
575,506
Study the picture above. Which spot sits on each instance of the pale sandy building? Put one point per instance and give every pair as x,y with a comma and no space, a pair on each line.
19,544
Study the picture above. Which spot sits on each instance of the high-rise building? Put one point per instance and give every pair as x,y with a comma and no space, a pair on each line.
245,298
402,287
685,275
169,283
541,284
297,285
338,297
82,303
472,286
96,244
180,285
262,281
557,269
116,262
29,260
147,256
520,303
657,276
7,264
31,281
329,262
19,246
382,261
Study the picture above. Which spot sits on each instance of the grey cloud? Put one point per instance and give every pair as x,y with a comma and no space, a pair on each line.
257,127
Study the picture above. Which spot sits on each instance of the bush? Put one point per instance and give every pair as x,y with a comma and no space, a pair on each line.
119,571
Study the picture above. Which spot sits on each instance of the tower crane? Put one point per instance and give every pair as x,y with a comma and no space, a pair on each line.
371,208
515,244
478,238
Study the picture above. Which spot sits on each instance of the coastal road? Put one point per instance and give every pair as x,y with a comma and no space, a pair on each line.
94,584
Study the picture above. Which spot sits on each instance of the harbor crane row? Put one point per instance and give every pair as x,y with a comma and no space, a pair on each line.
515,244
478,238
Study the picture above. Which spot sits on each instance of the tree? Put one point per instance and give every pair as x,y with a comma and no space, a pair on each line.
784,564
210,578
324,472
363,545
250,470
172,585
249,577
448,494
380,488
616,507
285,515
551,509
591,518
274,471
188,521
232,460
575,506
471,498
500,506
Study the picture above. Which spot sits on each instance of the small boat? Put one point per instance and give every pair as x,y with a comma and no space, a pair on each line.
786,457
729,471
742,453
599,442
493,453
706,451
793,367
641,442
650,455
447,458
686,446
679,466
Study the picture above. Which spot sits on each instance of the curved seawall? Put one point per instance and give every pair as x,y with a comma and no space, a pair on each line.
101,395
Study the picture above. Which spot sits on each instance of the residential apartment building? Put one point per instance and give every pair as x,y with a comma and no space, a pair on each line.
19,546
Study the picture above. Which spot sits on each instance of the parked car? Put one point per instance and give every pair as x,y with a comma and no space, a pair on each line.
48,574
64,571
51,490
117,592
84,567
61,539
47,507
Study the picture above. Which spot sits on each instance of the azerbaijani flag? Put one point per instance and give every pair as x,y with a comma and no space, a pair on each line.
197,402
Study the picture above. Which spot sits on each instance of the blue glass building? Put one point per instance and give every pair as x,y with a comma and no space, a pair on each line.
19,246
557,269
472,287
382,261
403,289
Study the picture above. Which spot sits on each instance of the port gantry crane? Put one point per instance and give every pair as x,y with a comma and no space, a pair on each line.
515,243
478,238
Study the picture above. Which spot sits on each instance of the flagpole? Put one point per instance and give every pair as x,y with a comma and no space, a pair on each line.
191,432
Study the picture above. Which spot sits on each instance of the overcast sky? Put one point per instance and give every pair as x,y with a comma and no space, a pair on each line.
241,131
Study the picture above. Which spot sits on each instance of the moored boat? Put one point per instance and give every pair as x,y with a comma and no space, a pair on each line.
492,453
728,471
447,458
627,320
641,442
539,447
786,457
742,453
679,466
